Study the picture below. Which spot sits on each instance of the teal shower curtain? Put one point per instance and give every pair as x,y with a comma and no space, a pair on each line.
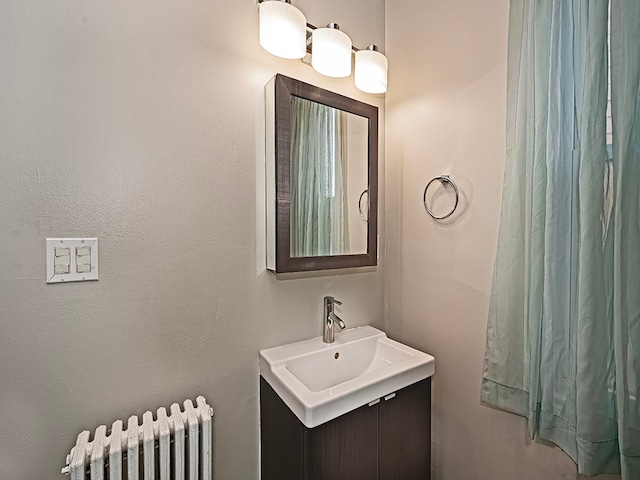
625,79
318,173
563,336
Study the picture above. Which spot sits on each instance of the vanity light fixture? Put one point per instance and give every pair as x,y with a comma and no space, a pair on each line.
285,33
371,70
331,51
283,29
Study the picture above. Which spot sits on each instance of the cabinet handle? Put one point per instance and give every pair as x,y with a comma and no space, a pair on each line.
389,397
375,402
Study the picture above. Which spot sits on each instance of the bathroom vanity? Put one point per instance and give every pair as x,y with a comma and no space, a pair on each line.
389,440
358,408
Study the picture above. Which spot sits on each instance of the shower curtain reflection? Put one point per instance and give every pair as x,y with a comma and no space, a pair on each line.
319,221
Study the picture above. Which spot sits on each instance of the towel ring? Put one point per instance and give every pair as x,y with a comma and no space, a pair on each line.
362,215
442,179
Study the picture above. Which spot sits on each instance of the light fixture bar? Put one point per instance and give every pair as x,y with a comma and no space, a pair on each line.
288,35
311,28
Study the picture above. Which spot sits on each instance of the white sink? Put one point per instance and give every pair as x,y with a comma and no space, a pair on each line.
320,381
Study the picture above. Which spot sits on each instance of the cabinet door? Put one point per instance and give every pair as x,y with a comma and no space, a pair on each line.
405,433
281,437
344,448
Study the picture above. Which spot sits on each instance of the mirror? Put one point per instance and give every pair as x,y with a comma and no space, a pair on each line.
322,178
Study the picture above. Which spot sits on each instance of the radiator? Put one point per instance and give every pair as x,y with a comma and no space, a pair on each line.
174,447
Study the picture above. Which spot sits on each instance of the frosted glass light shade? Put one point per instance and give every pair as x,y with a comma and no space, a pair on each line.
331,52
371,70
283,29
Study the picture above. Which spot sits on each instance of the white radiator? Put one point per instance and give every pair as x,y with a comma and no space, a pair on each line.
175,447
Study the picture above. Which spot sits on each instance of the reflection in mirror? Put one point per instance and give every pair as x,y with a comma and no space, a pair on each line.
322,178
328,173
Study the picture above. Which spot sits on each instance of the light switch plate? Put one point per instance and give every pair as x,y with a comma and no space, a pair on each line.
80,254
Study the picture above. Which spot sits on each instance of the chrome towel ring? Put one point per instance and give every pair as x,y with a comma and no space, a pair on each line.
442,179
362,215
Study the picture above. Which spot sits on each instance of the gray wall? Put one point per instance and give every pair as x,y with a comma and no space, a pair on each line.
141,123
446,114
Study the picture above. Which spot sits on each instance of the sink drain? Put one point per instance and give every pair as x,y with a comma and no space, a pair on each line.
336,355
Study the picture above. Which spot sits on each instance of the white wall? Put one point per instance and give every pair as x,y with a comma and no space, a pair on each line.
446,115
141,123
357,180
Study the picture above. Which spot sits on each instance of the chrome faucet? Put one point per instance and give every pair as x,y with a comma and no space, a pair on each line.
329,318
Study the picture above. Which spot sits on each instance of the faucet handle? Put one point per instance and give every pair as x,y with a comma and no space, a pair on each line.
331,301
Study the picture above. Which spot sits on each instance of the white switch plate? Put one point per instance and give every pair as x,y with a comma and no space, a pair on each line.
77,248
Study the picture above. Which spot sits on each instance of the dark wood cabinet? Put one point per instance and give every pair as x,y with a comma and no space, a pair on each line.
405,433
388,440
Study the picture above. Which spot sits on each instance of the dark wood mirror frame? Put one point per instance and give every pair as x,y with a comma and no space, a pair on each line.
279,154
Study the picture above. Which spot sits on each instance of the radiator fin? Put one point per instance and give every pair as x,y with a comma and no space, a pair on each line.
132,448
164,441
205,437
97,453
178,442
115,451
192,421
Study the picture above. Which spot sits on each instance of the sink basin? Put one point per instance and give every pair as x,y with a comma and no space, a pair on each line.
320,381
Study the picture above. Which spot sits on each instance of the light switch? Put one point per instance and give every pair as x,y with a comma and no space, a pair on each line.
83,259
62,260
72,259
83,268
